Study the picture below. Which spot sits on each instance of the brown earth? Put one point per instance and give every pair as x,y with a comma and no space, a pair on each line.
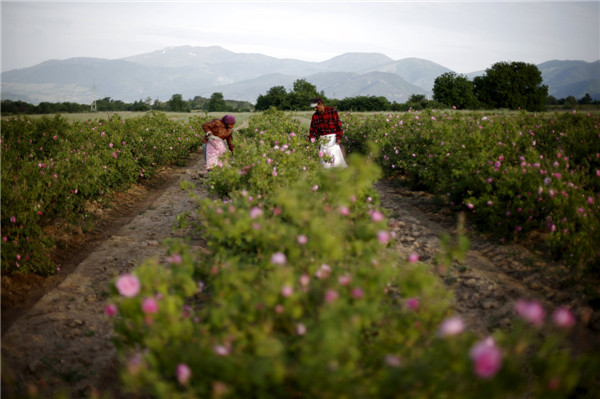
55,335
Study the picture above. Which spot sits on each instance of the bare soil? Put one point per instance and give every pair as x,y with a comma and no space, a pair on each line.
56,337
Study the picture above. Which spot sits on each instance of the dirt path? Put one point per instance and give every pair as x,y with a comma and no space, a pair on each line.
491,277
63,339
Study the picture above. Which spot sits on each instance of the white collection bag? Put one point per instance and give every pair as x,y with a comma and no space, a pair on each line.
330,147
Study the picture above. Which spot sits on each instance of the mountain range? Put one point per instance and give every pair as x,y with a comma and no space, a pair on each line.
202,71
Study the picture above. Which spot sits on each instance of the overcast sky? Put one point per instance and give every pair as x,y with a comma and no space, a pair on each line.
464,36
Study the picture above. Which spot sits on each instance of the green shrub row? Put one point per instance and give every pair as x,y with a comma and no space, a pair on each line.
299,293
52,168
517,175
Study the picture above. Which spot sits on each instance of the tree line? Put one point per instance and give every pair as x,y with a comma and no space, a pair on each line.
515,85
216,103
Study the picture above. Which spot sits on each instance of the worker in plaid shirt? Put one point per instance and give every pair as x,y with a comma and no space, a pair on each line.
324,121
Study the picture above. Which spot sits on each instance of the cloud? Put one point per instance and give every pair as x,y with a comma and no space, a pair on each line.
461,35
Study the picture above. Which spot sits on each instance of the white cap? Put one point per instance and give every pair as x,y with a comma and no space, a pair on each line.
314,105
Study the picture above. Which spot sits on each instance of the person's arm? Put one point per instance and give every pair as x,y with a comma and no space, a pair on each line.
208,127
230,142
312,133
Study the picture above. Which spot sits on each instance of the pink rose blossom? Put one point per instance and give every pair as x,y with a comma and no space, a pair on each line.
532,312
563,317
300,329
451,326
413,303
304,280
383,237
149,305
128,285
287,291
487,358
302,239
376,216
278,258
255,212
345,279
183,373
331,295
174,259
344,210
110,310
357,293
323,272
413,258
221,350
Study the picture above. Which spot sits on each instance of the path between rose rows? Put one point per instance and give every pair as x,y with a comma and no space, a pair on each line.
64,339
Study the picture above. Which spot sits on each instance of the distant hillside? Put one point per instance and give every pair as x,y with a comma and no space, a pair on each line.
571,78
417,71
201,71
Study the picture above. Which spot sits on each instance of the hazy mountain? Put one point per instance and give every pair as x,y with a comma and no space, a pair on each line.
192,71
417,71
354,62
342,85
571,78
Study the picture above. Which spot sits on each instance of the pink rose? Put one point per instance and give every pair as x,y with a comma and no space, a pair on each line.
413,258
331,295
110,310
278,258
451,326
563,317
183,373
149,305
487,358
532,312
128,285
412,303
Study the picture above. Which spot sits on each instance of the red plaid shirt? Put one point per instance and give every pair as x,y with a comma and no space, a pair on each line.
326,123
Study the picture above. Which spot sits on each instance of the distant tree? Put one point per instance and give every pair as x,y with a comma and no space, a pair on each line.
364,103
454,90
217,103
551,100
276,97
587,99
17,107
515,85
570,101
302,93
177,104
158,105
140,106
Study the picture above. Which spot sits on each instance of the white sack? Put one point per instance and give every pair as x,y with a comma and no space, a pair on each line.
330,147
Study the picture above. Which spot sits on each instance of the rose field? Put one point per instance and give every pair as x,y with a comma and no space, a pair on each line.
299,291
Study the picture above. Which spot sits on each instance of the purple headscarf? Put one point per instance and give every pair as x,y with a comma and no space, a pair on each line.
228,119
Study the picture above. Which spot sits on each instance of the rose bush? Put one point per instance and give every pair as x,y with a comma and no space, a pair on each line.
300,293
517,175
52,168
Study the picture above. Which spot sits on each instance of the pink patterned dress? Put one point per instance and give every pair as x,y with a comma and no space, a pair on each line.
214,149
